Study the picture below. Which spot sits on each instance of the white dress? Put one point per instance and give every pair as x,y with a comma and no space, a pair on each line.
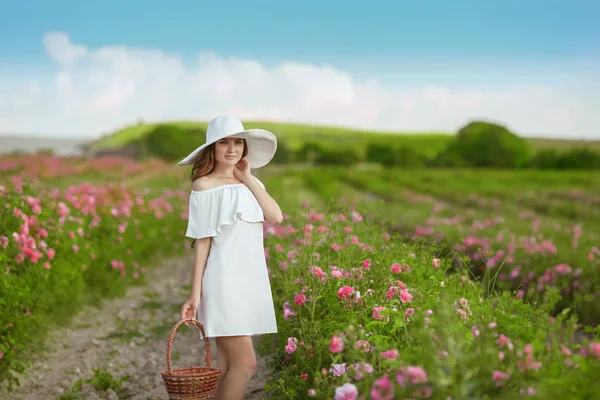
236,292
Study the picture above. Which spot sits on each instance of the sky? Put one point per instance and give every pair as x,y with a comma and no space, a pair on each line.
84,69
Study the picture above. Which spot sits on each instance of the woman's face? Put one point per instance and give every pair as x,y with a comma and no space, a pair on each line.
229,151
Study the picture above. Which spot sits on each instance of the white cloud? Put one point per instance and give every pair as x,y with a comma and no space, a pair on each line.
100,90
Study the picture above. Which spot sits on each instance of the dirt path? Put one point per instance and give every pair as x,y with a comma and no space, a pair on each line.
126,337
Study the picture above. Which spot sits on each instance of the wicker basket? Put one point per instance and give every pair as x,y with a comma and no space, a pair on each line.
191,383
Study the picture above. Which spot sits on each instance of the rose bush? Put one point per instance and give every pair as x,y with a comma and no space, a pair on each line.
363,315
64,246
528,232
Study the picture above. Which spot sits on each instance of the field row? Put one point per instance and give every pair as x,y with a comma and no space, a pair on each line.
524,233
363,313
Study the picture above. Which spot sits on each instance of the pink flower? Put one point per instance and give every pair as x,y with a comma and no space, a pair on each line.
366,264
312,392
337,344
345,292
499,377
362,368
291,345
396,268
338,369
436,263
377,313
383,389
346,392
315,217
416,375
364,344
390,354
337,273
287,311
317,271
300,299
595,350
405,297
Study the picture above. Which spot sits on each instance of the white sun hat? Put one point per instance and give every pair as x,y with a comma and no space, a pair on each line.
262,144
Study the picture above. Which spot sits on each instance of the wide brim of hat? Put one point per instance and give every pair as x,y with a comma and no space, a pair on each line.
262,146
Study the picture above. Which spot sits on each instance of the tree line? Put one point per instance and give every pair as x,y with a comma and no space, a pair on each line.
478,144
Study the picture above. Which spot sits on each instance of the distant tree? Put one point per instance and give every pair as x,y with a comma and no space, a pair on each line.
579,158
546,159
172,143
380,153
485,144
284,153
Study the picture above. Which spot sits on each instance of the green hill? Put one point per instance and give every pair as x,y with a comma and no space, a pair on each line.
293,134
296,134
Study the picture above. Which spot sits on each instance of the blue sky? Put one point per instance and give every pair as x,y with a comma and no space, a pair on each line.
464,44
356,35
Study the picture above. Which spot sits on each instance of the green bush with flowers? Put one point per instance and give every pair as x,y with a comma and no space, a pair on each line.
365,316
62,248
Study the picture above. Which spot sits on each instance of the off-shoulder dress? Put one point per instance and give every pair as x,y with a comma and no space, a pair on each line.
236,292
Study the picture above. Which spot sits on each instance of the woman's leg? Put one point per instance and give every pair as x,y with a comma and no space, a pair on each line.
223,365
241,360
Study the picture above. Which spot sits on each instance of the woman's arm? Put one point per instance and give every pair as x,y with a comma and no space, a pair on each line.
271,209
202,248
190,308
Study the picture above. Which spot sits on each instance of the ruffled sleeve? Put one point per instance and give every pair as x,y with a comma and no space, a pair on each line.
211,209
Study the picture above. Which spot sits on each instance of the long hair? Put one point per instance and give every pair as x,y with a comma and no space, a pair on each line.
204,164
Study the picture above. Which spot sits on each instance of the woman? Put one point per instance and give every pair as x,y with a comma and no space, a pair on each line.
231,292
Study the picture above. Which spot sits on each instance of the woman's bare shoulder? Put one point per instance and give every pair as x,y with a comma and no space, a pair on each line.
204,183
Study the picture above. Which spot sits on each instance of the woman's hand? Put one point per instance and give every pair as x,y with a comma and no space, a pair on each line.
190,308
242,171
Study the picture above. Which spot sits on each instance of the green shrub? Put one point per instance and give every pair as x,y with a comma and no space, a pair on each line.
576,158
284,154
581,158
337,155
308,152
393,155
380,153
546,159
172,143
449,159
484,144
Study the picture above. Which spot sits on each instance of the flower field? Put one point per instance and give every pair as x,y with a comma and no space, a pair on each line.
365,311
72,232
388,283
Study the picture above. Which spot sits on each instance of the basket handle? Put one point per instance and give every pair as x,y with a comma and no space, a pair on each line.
207,357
